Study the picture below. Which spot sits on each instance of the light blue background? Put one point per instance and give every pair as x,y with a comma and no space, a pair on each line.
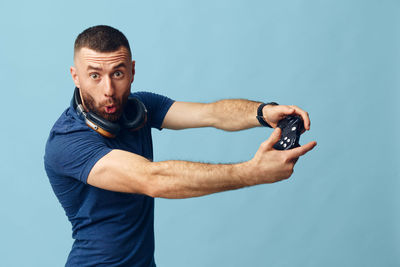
339,60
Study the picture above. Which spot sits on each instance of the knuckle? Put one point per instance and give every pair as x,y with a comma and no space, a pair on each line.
290,170
264,145
288,174
285,158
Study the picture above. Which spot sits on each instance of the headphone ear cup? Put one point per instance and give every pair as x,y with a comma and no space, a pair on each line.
135,114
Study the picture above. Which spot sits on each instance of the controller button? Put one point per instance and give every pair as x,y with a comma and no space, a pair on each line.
284,145
293,129
288,140
285,138
281,142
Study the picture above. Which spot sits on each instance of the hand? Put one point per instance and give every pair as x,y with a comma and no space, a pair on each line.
270,165
273,114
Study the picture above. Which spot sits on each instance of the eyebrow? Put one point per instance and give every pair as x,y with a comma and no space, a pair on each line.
123,65
90,67
93,68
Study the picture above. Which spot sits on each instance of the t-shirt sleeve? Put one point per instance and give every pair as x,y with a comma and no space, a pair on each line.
157,107
74,154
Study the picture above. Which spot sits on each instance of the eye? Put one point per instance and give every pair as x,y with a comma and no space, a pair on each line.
94,76
118,74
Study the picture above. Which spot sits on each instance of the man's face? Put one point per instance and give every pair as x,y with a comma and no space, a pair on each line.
104,80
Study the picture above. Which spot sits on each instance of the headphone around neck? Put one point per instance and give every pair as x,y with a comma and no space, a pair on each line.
133,117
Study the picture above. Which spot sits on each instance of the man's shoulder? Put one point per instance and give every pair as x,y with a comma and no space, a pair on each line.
67,123
72,148
67,133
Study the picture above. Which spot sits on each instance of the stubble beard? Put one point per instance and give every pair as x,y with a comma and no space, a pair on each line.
99,111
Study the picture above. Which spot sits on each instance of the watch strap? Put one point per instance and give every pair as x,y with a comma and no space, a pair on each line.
260,116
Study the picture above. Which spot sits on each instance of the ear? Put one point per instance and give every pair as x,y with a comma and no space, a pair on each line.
75,77
133,70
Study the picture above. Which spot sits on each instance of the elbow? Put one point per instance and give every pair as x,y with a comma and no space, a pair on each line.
151,189
152,185
157,180
147,185
160,182
155,189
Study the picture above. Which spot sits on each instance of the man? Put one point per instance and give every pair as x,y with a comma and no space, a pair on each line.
107,182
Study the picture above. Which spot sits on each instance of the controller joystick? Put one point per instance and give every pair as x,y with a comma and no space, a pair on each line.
292,127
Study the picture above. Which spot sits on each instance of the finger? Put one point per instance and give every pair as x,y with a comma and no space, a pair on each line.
300,151
273,138
285,110
273,114
304,115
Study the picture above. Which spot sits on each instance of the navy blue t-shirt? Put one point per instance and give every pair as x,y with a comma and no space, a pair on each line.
109,228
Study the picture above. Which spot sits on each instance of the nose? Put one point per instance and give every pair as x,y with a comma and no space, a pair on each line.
108,87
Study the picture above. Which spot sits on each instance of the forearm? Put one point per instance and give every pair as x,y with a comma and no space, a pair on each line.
234,114
184,179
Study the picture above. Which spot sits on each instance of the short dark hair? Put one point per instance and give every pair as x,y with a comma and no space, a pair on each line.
101,38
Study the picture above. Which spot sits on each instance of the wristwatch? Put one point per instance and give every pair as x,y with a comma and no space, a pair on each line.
260,116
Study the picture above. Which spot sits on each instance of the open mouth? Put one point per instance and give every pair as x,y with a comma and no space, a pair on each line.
111,109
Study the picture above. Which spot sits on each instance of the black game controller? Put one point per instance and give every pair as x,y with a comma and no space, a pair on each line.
292,127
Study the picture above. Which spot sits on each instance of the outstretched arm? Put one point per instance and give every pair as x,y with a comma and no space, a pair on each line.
127,172
228,115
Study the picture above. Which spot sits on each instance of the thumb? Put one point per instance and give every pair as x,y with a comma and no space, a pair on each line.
273,138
